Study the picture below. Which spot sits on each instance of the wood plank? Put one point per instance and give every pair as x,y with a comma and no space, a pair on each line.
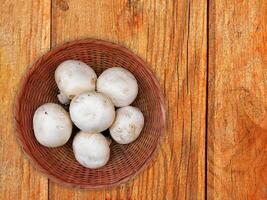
237,130
24,36
171,37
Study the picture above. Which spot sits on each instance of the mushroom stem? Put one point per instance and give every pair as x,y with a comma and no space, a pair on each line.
62,98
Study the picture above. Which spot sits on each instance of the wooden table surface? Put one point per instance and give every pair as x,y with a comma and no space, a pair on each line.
210,57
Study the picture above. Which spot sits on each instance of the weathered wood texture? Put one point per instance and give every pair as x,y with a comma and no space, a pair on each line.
24,36
172,37
237,123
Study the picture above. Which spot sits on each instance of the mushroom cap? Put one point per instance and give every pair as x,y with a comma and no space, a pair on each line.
74,77
52,125
128,125
91,150
92,112
119,85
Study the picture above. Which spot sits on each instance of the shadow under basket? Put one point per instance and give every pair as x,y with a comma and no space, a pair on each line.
39,87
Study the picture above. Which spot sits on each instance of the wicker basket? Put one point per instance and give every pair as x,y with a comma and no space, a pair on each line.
59,164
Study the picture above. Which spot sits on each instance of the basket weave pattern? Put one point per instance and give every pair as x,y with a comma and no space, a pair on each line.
39,87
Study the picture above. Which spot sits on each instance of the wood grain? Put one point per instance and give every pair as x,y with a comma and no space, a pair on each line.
237,123
172,37
24,35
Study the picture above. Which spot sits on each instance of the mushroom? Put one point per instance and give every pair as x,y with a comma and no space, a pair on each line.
74,77
128,125
91,150
119,85
92,112
52,125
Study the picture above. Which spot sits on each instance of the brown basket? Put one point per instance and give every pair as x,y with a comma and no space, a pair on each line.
39,87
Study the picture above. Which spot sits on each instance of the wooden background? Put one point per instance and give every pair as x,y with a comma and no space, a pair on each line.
210,57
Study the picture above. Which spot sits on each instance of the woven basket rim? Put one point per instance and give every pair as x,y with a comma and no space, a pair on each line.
23,82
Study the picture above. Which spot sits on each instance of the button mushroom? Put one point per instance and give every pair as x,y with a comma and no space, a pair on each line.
92,112
119,85
91,150
128,125
52,125
74,77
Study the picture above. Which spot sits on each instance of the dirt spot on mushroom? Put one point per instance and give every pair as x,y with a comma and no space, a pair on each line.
93,81
71,96
105,102
132,128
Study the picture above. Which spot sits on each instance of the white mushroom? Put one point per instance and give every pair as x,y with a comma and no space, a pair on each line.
74,77
92,112
128,125
91,150
52,125
119,85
